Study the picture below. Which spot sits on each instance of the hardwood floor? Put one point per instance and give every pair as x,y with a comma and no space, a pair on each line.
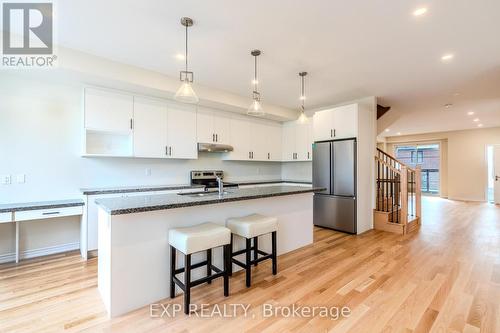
443,278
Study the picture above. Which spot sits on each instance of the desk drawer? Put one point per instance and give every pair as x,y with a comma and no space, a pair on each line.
47,213
5,217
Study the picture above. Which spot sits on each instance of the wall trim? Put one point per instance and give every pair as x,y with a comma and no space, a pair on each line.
26,254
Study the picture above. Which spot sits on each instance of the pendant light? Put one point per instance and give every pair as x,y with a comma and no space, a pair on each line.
302,117
186,94
255,108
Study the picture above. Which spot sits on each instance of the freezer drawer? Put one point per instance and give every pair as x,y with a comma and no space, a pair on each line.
338,213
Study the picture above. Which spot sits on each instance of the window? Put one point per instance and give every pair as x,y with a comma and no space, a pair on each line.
417,156
427,156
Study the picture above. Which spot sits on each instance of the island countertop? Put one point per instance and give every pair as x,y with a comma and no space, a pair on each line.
138,204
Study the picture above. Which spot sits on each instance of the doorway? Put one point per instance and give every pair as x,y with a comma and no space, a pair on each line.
428,157
493,161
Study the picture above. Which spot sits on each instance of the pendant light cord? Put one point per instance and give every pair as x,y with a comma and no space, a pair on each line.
186,48
303,93
255,75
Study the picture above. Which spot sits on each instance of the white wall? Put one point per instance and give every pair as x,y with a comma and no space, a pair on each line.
40,136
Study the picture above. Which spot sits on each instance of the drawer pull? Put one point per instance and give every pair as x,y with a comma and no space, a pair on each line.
51,213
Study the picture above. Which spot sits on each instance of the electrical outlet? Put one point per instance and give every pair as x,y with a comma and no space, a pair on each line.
6,179
21,178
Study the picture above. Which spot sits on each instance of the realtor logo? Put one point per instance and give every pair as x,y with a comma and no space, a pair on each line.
27,30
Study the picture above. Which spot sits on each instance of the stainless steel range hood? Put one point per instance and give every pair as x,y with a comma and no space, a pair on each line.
214,148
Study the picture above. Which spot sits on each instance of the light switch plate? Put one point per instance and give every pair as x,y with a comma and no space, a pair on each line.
21,178
6,179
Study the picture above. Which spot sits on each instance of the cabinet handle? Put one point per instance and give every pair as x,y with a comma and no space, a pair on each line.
307,155
216,137
131,123
331,133
213,137
249,154
268,156
334,133
170,150
166,150
51,213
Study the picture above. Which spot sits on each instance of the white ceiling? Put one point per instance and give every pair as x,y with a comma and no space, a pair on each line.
351,49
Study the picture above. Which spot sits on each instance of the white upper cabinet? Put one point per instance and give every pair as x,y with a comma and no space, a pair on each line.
271,142
297,141
337,123
213,127
288,141
107,110
240,138
346,121
302,142
181,132
150,128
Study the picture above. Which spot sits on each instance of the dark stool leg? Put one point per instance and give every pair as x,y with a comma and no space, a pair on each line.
255,249
187,282
172,271
227,263
230,268
209,264
273,241
248,264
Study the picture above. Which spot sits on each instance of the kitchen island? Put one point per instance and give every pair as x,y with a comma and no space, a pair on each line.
134,262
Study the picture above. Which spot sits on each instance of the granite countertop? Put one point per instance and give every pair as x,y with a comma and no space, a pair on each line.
138,188
277,181
16,207
137,204
150,188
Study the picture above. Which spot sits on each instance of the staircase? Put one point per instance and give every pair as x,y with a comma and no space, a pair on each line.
399,195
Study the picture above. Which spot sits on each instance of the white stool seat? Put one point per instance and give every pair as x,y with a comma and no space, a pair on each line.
199,238
252,225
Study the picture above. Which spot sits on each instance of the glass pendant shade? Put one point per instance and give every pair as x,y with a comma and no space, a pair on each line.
302,118
255,109
186,94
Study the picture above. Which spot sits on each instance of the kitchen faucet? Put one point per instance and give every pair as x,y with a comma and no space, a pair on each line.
219,183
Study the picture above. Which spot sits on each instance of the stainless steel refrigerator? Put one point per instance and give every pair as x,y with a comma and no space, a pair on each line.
334,168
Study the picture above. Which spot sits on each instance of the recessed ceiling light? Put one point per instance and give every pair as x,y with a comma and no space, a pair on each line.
420,11
180,56
470,113
398,133
456,94
387,129
475,120
448,105
447,57
479,125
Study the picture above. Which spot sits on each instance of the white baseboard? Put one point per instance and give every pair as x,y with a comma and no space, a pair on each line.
9,257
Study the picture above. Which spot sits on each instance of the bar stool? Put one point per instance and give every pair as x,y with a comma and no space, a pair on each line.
251,227
188,240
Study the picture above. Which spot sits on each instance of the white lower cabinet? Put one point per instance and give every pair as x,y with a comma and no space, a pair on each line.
90,216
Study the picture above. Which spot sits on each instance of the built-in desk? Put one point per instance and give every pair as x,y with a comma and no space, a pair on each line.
18,212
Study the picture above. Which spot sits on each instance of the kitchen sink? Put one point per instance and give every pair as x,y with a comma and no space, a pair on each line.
202,194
